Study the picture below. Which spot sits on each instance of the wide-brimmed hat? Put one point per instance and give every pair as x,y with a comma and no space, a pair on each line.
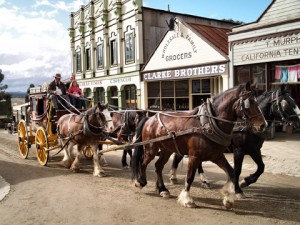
58,75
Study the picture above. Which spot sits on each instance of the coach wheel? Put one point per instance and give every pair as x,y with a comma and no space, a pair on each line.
41,143
23,140
88,152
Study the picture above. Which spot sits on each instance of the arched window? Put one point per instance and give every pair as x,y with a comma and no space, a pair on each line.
130,96
113,97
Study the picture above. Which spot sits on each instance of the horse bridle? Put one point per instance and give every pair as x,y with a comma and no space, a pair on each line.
245,105
275,106
125,124
102,118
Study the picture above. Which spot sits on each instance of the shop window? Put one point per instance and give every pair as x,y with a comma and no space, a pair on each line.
201,86
182,88
113,97
78,61
154,95
113,52
130,96
154,89
129,47
258,74
288,73
167,89
182,95
100,94
100,56
87,93
168,95
242,74
201,90
88,58
167,104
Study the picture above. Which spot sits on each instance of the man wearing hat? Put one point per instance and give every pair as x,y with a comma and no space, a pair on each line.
58,90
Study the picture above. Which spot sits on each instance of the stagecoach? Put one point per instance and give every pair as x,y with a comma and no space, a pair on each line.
40,127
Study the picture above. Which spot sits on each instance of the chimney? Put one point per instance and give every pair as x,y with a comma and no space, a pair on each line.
168,8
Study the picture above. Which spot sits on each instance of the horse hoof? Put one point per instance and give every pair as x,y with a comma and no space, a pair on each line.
165,194
67,164
76,170
243,184
101,174
240,195
190,205
137,184
205,185
173,180
126,167
228,202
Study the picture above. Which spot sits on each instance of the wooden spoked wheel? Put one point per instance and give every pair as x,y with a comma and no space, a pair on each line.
88,152
23,139
41,143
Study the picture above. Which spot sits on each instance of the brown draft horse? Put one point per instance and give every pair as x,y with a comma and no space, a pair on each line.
125,123
206,133
86,129
277,107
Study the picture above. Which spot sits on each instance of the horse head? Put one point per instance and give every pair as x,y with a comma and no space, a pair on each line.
105,116
247,109
129,121
288,108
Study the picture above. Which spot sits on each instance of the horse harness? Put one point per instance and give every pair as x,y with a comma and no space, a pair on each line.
208,126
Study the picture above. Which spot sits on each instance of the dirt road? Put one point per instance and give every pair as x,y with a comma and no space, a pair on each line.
55,195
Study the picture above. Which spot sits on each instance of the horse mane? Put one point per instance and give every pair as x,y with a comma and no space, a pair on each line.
90,110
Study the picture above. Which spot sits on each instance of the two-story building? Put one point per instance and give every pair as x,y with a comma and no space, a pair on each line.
111,40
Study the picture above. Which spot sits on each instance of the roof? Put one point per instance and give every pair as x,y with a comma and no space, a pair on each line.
215,35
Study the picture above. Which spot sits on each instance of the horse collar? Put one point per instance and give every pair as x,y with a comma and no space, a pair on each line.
209,126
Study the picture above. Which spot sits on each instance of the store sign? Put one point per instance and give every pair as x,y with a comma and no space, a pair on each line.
89,83
183,39
281,48
200,71
120,80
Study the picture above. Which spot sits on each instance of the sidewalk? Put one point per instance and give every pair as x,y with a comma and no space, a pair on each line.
282,154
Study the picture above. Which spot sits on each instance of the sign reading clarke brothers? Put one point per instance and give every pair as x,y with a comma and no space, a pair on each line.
186,72
184,54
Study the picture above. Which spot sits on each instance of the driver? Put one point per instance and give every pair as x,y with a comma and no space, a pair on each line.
57,88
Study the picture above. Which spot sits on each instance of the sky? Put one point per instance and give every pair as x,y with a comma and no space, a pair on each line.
35,43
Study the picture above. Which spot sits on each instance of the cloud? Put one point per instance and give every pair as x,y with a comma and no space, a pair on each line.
34,46
61,5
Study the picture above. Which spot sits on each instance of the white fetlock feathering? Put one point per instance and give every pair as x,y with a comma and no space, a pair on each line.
185,200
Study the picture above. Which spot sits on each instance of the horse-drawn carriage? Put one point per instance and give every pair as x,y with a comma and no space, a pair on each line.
203,134
40,128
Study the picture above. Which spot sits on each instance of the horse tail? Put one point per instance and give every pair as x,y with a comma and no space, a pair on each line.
138,154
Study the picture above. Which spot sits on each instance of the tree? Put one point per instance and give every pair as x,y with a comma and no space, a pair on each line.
2,87
28,92
5,101
234,21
